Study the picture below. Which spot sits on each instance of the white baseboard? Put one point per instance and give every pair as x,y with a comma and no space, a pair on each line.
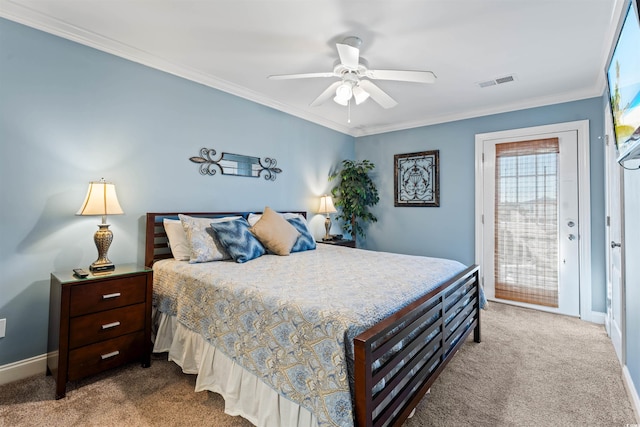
596,317
15,371
633,392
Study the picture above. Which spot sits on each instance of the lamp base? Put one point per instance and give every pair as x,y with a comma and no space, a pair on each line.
327,227
102,267
102,239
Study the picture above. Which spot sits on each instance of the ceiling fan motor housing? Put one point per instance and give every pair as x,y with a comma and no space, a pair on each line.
353,41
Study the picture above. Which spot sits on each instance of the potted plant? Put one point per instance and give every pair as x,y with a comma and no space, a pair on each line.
354,195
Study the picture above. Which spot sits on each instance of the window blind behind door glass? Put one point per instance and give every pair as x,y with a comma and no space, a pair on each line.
526,222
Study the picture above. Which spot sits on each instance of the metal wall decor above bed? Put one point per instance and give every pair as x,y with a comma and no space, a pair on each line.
236,164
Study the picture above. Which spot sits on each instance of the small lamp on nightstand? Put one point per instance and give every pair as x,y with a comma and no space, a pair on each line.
326,207
101,200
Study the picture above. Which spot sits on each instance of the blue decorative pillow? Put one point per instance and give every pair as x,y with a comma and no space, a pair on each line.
237,240
305,241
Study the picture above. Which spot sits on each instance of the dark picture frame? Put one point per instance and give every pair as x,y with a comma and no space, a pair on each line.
417,179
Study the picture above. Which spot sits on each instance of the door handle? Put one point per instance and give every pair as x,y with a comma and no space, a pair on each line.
615,245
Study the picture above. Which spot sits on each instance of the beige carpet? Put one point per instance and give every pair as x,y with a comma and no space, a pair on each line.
531,369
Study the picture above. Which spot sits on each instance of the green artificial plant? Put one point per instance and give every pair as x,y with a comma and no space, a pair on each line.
354,195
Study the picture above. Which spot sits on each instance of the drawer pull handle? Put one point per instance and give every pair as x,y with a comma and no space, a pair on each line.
109,296
110,325
109,355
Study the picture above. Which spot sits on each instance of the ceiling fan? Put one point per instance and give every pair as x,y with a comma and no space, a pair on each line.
354,74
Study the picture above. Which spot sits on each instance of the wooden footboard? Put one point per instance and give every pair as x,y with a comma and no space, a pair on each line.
389,380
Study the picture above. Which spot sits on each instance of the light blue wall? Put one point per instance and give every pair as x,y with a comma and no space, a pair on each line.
448,231
71,114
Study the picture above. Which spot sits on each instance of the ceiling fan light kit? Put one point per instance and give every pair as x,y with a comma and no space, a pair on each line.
355,78
344,92
360,95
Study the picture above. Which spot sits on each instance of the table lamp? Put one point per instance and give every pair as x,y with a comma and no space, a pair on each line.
326,207
101,200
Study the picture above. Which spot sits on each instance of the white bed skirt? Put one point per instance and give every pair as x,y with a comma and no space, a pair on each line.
243,392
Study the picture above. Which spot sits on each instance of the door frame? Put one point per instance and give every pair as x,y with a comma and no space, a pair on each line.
611,167
584,201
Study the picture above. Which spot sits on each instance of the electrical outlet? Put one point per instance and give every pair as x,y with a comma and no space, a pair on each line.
3,327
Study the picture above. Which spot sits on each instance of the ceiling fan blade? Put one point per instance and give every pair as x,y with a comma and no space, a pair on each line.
378,94
402,75
300,76
349,56
328,93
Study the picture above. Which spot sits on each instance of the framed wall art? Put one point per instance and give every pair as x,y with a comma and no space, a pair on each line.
417,179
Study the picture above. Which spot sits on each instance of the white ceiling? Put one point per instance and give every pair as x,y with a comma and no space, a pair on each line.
556,49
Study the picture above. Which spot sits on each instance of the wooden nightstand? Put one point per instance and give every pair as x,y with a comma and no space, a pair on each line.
99,322
347,243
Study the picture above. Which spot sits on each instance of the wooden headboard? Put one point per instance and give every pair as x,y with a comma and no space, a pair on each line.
156,242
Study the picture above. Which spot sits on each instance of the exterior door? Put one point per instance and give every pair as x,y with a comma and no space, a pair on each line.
531,221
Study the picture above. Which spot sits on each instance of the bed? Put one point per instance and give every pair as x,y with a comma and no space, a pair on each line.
283,358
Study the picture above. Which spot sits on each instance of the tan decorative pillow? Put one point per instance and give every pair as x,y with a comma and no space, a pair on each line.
275,233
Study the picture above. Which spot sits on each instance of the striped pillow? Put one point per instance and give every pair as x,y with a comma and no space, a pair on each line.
237,240
305,241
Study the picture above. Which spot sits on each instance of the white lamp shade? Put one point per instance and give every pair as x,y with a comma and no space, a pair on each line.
101,200
360,95
344,91
343,102
326,205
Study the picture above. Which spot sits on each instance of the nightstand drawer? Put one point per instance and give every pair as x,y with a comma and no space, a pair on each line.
107,294
104,325
105,355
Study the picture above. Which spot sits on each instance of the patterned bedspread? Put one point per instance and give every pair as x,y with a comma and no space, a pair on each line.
291,320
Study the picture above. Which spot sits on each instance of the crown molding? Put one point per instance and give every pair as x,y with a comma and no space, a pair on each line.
471,114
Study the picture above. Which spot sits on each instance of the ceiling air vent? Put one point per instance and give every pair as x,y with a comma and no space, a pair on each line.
487,83
497,81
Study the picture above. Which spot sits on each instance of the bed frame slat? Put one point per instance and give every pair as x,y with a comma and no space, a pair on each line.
393,339
405,391
426,351
383,371
464,315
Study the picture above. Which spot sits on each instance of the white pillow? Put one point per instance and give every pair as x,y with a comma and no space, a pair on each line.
253,218
177,239
203,247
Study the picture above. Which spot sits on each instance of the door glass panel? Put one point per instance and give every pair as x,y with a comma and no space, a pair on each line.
526,222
